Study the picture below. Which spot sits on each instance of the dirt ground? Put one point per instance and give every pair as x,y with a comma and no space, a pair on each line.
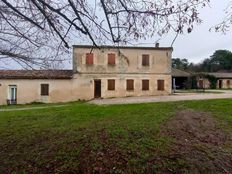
200,142
198,145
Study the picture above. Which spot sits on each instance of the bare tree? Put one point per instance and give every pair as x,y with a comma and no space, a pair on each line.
226,23
39,32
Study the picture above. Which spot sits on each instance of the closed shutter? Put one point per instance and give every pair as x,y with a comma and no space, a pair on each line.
145,85
160,85
44,89
89,58
111,59
145,60
111,85
129,85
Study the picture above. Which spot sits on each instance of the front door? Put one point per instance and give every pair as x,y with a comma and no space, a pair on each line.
12,94
220,84
97,88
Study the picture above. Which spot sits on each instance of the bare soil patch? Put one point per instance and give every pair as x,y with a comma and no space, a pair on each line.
200,142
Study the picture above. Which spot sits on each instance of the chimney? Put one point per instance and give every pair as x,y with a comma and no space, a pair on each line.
157,45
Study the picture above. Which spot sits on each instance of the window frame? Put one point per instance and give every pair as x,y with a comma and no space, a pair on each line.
128,87
42,93
109,87
144,87
89,59
163,86
145,60
111,60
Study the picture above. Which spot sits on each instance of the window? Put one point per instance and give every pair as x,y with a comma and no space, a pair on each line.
89,58
111,59
145,60
160,85
145,85
111,85
130,85
44,89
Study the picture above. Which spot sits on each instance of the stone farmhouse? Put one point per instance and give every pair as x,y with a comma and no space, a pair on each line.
98,72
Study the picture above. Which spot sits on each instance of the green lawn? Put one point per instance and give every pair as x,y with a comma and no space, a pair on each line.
85,138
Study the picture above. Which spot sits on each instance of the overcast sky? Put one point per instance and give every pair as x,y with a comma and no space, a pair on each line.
196,46
201,43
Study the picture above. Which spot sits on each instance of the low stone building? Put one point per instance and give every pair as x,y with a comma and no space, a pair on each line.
101,72
180,79
223,80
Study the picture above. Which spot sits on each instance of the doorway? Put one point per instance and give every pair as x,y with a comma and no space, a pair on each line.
220,84
12,99
201,84
97,88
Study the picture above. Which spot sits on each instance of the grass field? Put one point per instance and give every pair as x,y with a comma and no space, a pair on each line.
135,138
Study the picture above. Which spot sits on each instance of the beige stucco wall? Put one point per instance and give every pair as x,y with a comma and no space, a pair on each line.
29,91
224,83
86,85
127,61
206,83
81,86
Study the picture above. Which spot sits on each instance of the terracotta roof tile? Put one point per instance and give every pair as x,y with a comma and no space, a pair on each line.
222,75
36,74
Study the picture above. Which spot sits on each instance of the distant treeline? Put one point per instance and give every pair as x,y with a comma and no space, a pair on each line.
220,61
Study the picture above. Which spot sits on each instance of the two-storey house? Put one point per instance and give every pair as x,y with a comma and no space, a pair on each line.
122,71
98,72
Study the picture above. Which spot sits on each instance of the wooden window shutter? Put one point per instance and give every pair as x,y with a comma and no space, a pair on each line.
145,85
44,89
89,58
145,60
111,85
160,85
111,59
129,85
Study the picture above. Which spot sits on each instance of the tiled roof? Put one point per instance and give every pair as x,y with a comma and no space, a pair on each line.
180,73
222,75
36,74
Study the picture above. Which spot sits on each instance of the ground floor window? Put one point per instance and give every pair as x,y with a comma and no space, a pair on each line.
160,85
111,85
145,85
44,89
129,85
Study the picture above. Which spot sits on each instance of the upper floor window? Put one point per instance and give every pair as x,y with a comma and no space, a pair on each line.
145,60
44,89
160,85
111,59
145,85
130,85
89,58
111,85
